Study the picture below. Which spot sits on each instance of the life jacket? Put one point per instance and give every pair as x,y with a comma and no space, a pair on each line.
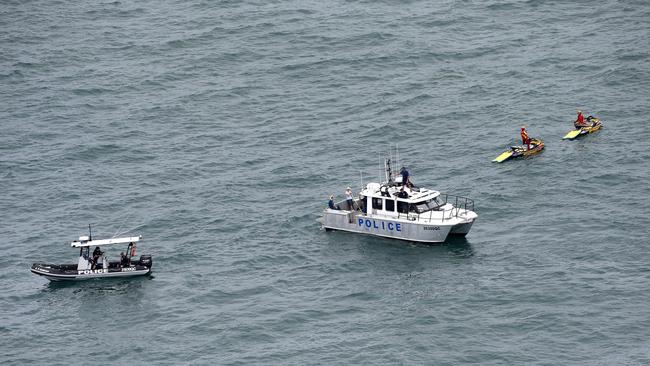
580,119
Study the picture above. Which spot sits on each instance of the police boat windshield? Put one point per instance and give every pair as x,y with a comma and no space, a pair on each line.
428,205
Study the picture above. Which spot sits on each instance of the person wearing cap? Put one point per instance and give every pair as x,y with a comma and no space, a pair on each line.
349,198
524,137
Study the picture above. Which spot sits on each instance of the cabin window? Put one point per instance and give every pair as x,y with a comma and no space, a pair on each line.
362,203
424,206
402,207
390,205
377,203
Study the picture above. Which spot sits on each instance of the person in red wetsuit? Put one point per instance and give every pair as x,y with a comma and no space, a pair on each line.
580,121
524,137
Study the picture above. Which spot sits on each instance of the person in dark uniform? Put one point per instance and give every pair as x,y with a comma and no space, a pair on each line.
96,254
330,204
124,260
362,203
406,178
402,207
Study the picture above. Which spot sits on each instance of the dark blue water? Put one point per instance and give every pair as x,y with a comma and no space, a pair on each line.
217,130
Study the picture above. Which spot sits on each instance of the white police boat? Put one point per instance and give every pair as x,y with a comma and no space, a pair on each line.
399,210
97,265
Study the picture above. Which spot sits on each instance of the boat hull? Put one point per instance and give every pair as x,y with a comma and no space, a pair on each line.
461,229
403,229
65,273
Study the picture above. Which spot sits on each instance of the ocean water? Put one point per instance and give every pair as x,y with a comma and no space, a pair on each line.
217,130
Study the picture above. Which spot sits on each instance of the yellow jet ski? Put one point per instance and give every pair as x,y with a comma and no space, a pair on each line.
536,146
584,130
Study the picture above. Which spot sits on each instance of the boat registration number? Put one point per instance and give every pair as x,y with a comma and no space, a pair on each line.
432,228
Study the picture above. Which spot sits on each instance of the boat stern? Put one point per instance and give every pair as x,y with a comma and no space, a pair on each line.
463,228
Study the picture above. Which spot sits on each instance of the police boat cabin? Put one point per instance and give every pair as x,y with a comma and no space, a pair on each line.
398,209
96,264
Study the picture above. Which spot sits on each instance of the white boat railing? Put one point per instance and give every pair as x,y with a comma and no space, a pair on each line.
460,205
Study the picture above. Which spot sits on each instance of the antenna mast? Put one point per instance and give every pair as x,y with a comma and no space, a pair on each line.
389,175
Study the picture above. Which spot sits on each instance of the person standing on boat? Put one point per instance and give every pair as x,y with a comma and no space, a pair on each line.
362,204
124,260
406,178
524,137
96,254
349,198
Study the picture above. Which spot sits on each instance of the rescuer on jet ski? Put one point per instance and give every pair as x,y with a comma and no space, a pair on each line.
580,120
524,137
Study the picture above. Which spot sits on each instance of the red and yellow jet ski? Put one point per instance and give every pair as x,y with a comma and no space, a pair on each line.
536,146
584,130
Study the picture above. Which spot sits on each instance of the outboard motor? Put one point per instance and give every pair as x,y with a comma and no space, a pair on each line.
145,260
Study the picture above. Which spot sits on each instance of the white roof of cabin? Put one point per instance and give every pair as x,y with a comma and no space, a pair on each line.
88,243
372,189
